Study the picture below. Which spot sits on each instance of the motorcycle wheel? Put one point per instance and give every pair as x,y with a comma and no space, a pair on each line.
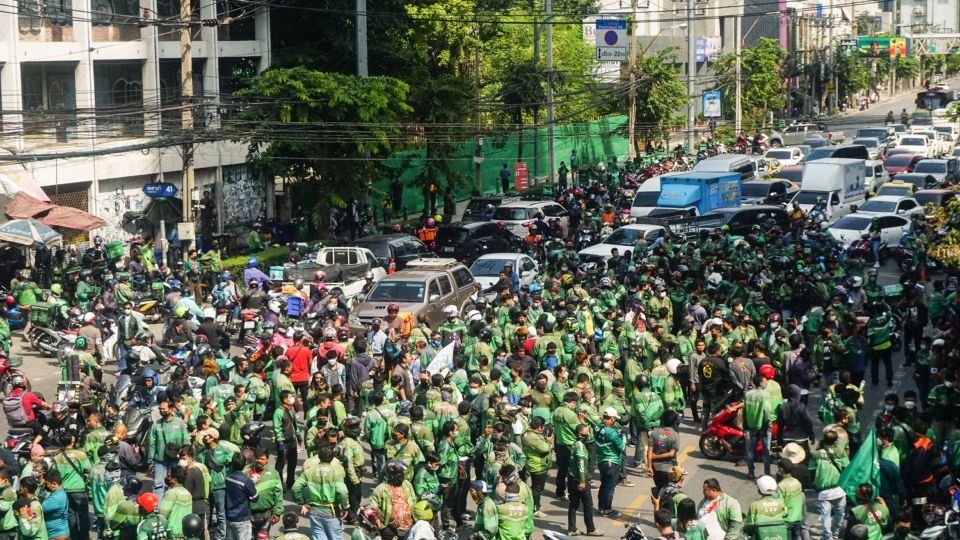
711,447
47,346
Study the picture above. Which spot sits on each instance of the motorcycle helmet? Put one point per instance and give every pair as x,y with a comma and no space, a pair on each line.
450,311
535,288
181,312
856,282
768,371
150,374
80,343
298,283
351,426
131,486
274,306
395,470
673,365
225,276
368,517
368,275
56,289
209,313
18,381
431,222
343,334
252,262
766,485
250,432
174,284
485,334
393,307
203,350
88,318
320,275
192,526
11,301
605,282
641,382
148,502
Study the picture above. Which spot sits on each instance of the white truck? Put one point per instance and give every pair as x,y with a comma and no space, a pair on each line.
839,183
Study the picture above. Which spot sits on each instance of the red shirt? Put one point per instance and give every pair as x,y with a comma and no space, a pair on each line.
300,357
29,401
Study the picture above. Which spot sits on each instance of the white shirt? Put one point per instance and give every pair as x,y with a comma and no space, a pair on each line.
421,530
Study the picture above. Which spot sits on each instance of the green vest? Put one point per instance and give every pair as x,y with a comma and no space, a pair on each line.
791,491
767,519
874,517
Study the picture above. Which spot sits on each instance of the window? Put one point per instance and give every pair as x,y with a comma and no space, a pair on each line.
34,13
49,99
554,210
243,28
445,287
371,260
835,199
118,88
907,205
352,257
108,12
462,277
413,247
434,289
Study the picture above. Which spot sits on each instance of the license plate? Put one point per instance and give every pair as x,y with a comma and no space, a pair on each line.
249,324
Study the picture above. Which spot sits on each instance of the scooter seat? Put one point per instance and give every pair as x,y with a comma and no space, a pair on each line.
19,431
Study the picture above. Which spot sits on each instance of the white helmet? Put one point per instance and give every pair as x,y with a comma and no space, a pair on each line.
450,311
714,279
673,365
856,282
766,485
274,306
209,313
472,315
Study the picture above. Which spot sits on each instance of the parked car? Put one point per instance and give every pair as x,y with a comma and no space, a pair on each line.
467,241
888,204
850,228
901,163
766,191
798,133
476,206
938,168
919,181
486,269
517,216
785,156
394,251
425,287
936,197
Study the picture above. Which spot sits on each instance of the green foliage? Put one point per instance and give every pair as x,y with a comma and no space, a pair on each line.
932,65
659,93
952,64
852,75
907,68
763,86
272,256
867,24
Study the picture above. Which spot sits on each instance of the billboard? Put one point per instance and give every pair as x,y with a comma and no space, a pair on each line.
712,104
707,48
878,46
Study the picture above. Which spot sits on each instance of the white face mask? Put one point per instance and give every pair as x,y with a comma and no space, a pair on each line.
183,463
331,361
127,311
910,404
291,400
663,294
949,384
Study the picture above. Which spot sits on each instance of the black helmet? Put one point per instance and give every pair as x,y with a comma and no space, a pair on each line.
395,469
132,486
641,381
192,526
485,334
250,431
351,426
203,350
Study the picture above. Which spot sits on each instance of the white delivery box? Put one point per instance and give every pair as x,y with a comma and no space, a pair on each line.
838,182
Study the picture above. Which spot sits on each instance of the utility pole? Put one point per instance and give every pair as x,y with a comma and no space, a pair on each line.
186,101
536,107
832,98
632,75
362,70
691,74
549,65
478,159
738,52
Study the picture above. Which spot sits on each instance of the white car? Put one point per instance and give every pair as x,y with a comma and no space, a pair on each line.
486,269
851,228
517,216
874,175
918,144
890,204
787,156
623,239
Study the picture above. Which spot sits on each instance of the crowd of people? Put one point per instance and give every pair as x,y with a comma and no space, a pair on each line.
579,380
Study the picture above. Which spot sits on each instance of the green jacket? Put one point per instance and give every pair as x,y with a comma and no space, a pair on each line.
791,491
351,455
94,440
408,452
8,521
875,517
73,466
34,526
565,422
98,487
512,520
536,449
321,484
579,467
487,520
154,527
827,465
278,417
728,512
382,500
217,461
269,490
426,485
766,519
449,459
610,444
176,504
164,432
757,411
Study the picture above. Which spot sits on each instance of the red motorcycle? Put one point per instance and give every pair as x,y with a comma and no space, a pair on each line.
722,435
8,368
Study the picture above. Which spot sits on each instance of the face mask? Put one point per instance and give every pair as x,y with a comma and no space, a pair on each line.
127,311
901,532
888,408
331,361
606,365
949,384
583,436
910,404
663,294
472,392
527,411
291,400
832,318
183,463
774,325
923,347
541,386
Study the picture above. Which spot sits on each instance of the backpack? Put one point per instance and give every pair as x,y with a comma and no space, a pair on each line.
652,412
13,408
219,297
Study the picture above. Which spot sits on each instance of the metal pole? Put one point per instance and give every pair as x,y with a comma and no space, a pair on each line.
691,74
536,108
738,51
631,72
362,70
186,100
477,175
549,64
832,99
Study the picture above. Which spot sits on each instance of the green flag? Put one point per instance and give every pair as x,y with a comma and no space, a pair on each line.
863,468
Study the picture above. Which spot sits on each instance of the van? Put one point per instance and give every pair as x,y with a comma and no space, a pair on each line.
748,167
874,175
648,193
837,182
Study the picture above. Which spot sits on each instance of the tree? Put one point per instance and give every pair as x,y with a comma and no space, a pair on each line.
953,64
852,75
867,24
659,93
763,86
315,127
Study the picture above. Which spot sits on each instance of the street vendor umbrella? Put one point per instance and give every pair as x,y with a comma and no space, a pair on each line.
28,232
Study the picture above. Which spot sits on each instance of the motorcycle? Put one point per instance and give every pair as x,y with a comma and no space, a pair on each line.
723,436
907,258
19,442
147,305
226,321
8,368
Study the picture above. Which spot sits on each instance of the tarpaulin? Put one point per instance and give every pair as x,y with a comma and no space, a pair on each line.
72,218
23,206
17,179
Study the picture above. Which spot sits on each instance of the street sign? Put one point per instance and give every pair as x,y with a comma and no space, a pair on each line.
611,40
521,176
160,189
712,104
849,45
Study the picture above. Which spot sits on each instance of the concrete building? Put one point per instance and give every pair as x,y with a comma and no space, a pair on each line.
82,76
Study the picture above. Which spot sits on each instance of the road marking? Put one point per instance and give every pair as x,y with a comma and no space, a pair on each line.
640,500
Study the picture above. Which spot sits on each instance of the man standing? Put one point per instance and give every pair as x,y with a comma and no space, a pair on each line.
167,436
565,422
727,509
505,178
536,449
287,435
827,464
662,452
579,487
757,413
240,492
767,516
610,445
268,507
351,455
562,173
321,493
73,466
217,457
177,502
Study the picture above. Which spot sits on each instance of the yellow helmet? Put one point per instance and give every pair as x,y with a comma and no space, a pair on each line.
438,218
422,511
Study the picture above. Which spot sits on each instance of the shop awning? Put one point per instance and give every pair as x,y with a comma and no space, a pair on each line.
23,206
17,179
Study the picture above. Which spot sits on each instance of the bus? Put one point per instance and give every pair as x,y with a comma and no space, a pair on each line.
934,98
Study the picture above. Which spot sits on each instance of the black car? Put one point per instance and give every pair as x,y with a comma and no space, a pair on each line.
398,249
740,220
476,206
766,191
919,180
468,241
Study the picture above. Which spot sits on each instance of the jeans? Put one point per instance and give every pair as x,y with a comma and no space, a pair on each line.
640,451
875,248
379,458
537,481
563,467
322,526
579,498
798,531
239,530
287,453
609,476
875,358
751,436
159,478
78,517
831,516
218,505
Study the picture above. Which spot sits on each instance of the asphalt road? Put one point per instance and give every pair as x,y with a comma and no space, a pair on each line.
634,503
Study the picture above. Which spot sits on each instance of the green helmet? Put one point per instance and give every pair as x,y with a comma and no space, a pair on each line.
56,289
80,343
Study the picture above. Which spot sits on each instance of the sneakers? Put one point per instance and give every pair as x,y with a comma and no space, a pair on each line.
539,514
627,483
595,533
573,533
